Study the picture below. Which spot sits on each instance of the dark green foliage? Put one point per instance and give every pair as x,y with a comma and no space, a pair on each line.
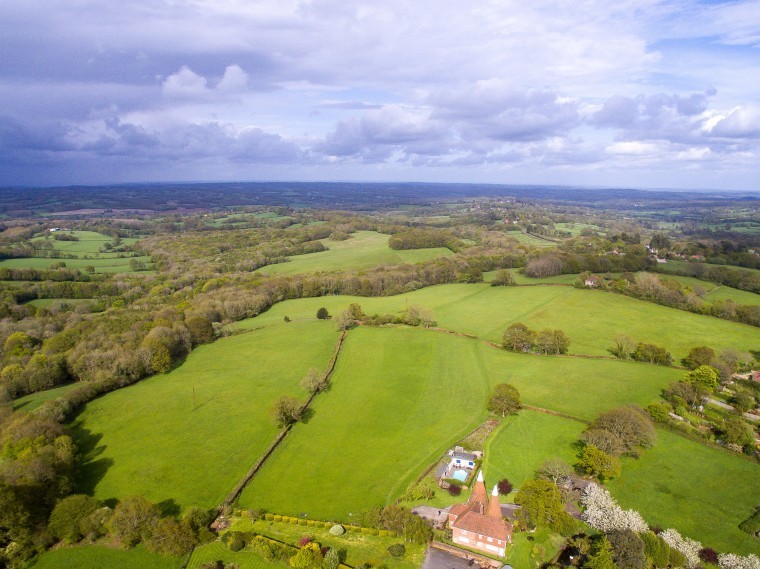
601,555
322,314
736,431
628,550
701,355
397,550
518,338
598,463
652,354
629,424
67,520
286,411
170,537
424,239
132,520
503,278
201,330
542,506
752,524
505,400
656,550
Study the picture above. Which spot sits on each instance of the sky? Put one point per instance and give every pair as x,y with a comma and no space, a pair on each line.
630,93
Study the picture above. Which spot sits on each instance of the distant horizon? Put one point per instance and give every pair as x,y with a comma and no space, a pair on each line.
568,187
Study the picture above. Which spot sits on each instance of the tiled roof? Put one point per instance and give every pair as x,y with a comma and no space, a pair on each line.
483,525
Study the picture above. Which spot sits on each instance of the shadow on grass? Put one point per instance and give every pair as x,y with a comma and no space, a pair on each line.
307,415
91,468
169,508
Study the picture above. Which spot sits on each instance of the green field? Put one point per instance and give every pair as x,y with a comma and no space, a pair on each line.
364,249
574,228
87,253
387,416
530,240
99,557
701,491
672,266
400,397
149,439
525,441
32,401
102,264
590,318
48,302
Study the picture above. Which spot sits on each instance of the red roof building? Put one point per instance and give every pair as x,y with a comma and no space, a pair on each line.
478,523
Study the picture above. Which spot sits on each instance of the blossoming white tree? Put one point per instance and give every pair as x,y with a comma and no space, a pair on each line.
604,514
689,547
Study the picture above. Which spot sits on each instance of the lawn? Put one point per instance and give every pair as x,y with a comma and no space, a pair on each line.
701,491
389,413
530,550
590,318
364,249
359,548
99,557
243,559
517,449
187,437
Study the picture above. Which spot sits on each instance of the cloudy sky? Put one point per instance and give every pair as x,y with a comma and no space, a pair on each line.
641,93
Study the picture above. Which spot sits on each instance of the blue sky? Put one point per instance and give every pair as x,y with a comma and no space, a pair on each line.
641,93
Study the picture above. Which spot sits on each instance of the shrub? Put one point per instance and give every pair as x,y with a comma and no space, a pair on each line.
305,539
709,555
505,486
365,531
397,550
303,522
236,543
327,525
455,490
293,521
269,517
337,529
277,518
374,531
311,523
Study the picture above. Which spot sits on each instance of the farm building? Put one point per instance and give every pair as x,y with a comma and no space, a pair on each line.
479,523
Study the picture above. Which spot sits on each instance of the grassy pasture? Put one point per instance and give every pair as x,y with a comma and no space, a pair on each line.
364,249
89,244
388,415
525,441
590,318
401,396
574,228
579,387
32,401
99,557
530,240
48,302
102,263
149,439
701,491
672,266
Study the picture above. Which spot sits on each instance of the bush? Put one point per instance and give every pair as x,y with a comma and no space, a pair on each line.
270,517
311,523
277,518
303,522
293,521
337,529
327,525
397,550
236,543
365,531
305,539
505,486
455,490
708,555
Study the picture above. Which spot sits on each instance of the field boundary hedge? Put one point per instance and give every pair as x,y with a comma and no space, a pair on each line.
240,486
